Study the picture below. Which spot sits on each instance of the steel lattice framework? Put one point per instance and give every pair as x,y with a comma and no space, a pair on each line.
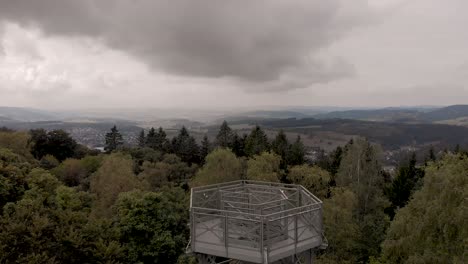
255,222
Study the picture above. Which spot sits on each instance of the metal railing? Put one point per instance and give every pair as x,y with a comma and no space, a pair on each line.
260,219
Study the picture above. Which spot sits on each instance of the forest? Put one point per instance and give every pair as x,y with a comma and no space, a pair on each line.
62,202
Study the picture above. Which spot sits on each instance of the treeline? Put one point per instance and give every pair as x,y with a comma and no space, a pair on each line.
61,202
185,146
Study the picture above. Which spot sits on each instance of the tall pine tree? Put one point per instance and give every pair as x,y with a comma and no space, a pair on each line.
256,142
296,153
280,146
404,184
186,147
205,148
113,140
142,139
151,138
225,136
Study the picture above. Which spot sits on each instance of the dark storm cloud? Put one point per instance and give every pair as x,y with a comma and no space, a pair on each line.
269,42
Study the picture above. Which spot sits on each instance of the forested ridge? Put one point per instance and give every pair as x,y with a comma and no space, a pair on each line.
64,203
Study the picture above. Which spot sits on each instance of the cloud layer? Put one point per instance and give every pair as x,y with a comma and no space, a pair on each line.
273,45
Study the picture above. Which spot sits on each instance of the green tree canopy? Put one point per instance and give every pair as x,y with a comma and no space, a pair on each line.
170,171
153,225
57,143
264,167
341,228
313,178
432,227
113,177
361,172
221,166
51,224
17,142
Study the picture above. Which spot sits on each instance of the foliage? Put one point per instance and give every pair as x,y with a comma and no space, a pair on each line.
256,142
264,167
141,139
238,145
171,170
17,142
13,171
57,143
153,226
186,147
361,172
313,178
113,177
432,227
225,137
113,140
48,162
341,228
157,140
221,166
205,148
51,224
296,153
404,184
280,146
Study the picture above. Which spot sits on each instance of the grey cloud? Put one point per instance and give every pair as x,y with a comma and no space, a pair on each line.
270,44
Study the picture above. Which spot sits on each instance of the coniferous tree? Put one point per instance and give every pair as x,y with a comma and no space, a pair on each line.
162,143
280,146
238,145
186,147
151,139
336,160
457,149
142,139
296,153
404,184
256,142
205,148
225,136
432,156
113,140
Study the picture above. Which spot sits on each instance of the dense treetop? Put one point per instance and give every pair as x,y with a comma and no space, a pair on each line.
63,203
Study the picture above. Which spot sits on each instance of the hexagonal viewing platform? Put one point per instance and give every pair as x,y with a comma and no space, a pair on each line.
255,222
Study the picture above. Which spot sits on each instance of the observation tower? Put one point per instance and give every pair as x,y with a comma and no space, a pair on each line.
255,222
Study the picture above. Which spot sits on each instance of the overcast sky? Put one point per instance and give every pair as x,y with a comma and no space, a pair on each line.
232,53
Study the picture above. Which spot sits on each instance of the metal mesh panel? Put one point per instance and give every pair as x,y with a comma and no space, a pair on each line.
254,221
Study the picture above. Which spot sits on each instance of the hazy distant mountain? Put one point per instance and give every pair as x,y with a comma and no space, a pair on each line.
261,115
26,114
386,114
406,115
446,113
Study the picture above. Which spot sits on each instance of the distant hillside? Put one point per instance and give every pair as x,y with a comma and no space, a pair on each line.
386,114
406,115
26,114
389,135
261,115
446,113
